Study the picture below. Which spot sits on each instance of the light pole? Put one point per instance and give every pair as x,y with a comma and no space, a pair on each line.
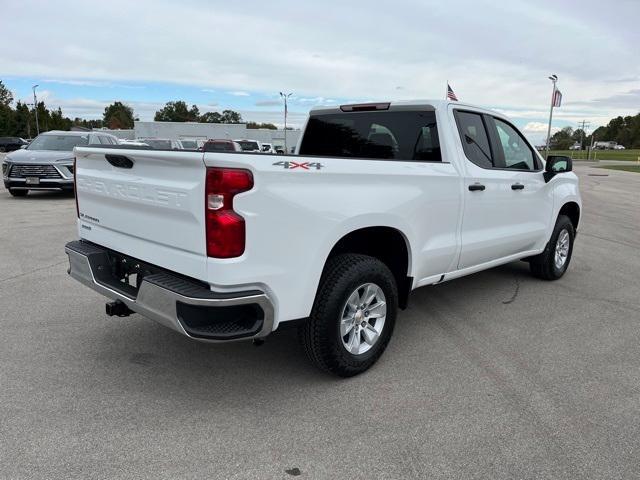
554,79
35,107
285,96
28,119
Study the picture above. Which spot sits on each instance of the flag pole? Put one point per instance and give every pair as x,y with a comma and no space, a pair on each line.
554,79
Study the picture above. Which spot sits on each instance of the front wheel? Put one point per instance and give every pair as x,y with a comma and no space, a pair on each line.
353,315
554,260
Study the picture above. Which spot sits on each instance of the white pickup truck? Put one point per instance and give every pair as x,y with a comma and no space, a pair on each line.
378,200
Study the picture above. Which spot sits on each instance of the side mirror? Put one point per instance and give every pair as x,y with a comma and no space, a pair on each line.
557,164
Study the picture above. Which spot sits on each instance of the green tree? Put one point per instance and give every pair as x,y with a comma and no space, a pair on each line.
6,97
562,139
6,120
210,117
177,112
24,121
229,116
118,116
255,125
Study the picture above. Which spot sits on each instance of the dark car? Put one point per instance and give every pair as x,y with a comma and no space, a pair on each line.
9,144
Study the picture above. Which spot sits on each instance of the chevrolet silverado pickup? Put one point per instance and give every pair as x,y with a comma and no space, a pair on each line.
379,199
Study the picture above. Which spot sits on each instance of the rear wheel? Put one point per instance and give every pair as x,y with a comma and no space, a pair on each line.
353,315
3,149
554,260
18,193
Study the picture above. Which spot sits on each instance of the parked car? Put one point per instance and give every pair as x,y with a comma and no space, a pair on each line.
9,144
47,162
379,200
575,147
162,143
192,143
221,146
267,148
605,145
619,147
250,145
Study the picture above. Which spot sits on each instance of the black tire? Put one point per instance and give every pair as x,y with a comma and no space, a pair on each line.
543,265
18,193
320,335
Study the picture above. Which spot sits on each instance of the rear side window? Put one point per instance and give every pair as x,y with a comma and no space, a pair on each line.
387,135
475,141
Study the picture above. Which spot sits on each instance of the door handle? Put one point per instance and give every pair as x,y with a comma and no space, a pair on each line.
517,186
119,161
476,187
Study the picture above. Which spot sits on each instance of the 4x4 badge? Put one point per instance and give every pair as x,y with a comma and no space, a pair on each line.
302,165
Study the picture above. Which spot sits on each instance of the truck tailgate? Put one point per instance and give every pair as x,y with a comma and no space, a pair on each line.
148,204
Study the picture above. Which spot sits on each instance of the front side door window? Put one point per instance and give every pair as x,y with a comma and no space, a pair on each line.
517,153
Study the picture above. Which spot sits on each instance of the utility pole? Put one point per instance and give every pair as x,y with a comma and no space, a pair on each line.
35,107
285,96
585,124
554,79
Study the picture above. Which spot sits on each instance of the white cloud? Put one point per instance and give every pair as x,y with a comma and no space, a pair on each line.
536,127
90,83
268,103
316,50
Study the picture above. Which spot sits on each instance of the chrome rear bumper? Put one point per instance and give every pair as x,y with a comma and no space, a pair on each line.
178,303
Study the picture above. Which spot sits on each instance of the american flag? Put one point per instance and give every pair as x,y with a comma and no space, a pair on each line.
450,94
557,98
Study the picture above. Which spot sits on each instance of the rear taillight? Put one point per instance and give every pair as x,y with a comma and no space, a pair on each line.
75,186
225,229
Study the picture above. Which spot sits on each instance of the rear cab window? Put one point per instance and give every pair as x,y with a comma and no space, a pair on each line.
382,134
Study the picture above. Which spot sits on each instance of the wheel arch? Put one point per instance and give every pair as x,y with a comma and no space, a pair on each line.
387,244
572,210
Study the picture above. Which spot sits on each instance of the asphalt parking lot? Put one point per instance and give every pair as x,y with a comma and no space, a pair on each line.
496,375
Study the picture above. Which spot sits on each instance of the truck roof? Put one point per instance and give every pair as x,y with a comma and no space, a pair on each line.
405,105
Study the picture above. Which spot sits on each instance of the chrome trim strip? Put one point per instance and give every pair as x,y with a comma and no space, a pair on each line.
159,304
42,179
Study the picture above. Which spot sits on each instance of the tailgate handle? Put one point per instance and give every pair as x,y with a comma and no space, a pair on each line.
119,161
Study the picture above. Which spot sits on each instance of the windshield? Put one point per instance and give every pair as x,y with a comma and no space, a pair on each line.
59,143
248,145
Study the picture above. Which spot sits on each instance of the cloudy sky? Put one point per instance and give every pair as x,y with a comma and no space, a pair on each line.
239,55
